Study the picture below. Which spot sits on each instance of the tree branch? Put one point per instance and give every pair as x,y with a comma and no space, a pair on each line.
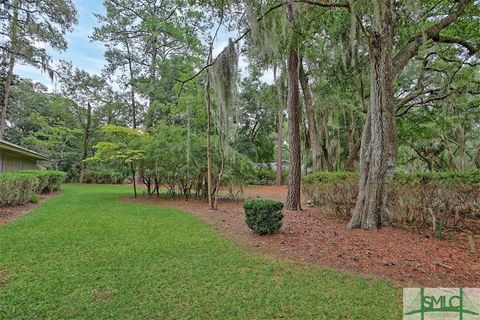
472,49
410,50
248,30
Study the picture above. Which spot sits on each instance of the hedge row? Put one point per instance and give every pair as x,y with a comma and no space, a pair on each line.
443,198
26,186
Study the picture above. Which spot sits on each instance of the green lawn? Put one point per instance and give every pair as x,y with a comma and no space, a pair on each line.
86,254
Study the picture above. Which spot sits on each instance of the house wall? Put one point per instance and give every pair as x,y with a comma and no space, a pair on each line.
10,162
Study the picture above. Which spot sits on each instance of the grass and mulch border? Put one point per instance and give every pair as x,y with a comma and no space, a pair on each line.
409,258
10,213
87,254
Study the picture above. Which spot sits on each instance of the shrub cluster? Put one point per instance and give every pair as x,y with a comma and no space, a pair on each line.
266,177
335,191
26,186
443,198
104,177
263,216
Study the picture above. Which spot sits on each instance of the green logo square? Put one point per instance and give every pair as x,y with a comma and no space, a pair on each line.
441,303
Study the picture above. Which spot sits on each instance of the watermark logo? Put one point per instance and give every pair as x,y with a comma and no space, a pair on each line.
441,303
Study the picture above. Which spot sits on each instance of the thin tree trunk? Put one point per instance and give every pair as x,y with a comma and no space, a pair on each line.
152,76
280,120
151,90
132,166
462,148
11,65
279,153
311,122
352,156
85,141
293,196
327,163
132,92
477,158
220,174
208,101
379,139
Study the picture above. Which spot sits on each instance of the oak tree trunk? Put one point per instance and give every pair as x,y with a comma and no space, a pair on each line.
379,139
293,196
10,66
6,95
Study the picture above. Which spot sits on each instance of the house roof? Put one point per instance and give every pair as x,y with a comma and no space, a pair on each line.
13,148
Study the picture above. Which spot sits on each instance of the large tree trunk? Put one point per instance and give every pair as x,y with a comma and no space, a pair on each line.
312,124
379,139
293,196
10,66
6,95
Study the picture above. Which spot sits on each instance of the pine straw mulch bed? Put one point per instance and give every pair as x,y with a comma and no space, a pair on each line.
10,213
407,257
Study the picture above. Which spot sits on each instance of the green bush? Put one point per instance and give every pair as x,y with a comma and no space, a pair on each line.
17,188
266,177
104,177
263,216
26,186
49,181
329,177
35,198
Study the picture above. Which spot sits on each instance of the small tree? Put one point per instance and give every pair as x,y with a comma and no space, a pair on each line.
124,147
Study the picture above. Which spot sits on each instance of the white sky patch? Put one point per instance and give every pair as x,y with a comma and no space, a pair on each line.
39,45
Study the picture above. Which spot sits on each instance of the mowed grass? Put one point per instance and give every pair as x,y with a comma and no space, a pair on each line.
88,255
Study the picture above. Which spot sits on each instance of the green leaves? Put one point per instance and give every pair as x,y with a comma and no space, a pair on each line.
124,146
25,186
263,216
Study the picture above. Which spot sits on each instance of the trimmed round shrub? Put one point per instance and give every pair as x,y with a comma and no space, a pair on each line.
263,216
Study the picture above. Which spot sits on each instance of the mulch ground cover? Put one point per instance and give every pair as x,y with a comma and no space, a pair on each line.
409,257
10,213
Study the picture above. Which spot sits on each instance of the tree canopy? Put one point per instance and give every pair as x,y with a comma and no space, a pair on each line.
376,87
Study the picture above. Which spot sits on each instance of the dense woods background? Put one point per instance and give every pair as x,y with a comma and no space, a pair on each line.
374,87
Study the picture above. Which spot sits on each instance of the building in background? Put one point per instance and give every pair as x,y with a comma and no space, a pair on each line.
16,158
